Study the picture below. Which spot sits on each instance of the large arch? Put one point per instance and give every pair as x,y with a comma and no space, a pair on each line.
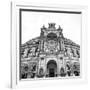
52,68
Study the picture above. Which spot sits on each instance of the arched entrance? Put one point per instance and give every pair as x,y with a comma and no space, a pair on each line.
52,68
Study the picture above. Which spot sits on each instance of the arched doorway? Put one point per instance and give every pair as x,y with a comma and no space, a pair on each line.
52,68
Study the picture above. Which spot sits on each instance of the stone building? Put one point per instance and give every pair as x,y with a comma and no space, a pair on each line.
50,55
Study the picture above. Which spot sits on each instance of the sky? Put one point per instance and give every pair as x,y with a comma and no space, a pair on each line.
33,21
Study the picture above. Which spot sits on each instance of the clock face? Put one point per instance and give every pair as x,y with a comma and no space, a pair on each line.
51,46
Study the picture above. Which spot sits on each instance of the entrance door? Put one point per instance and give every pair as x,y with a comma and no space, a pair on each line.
52,68
51,72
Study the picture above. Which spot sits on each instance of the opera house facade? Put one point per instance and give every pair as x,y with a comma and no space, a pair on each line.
50,55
